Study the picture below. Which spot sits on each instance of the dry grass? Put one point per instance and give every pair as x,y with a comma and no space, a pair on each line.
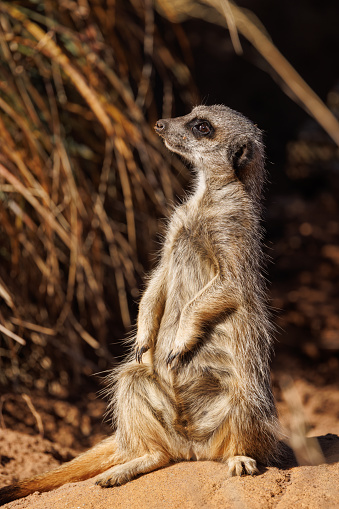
306,449
83,178
226,13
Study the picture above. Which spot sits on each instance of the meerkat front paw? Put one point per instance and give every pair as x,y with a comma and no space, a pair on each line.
173,359
241,464
139,352
181,351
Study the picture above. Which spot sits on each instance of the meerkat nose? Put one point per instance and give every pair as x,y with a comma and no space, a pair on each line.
160,126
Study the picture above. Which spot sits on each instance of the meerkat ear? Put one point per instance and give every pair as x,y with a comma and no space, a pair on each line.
241,153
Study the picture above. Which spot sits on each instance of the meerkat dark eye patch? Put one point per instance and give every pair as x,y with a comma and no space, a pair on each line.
201,128
241,154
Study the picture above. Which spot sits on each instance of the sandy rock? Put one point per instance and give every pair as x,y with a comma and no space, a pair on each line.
200,485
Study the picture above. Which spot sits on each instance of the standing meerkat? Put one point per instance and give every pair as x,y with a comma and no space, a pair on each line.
197,385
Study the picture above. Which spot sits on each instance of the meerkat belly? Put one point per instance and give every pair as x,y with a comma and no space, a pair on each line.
203,401
201,386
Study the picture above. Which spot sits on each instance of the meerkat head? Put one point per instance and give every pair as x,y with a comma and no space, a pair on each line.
218,141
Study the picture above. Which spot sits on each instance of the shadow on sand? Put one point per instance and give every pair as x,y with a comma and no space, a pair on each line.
313,451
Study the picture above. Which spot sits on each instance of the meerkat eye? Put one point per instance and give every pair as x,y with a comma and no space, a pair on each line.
202,128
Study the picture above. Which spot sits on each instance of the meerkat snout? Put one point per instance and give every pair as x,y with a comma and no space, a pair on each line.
160,126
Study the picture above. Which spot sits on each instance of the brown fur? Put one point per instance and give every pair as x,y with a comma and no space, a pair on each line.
199,386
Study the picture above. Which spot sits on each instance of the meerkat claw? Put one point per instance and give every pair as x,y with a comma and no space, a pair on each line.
238,465
171,358
139,353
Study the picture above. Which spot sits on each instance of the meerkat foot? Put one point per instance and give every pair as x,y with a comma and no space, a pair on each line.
121,474
115,476
238,465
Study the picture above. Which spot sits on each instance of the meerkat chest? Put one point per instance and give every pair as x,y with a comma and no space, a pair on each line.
190,252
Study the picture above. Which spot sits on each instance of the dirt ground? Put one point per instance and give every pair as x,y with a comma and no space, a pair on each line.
189,485
304,407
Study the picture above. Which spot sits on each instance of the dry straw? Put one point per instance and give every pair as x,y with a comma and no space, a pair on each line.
226,13
83,179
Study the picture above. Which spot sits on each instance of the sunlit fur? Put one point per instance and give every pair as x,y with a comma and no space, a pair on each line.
196,385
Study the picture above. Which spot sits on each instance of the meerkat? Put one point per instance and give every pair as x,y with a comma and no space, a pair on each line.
196,385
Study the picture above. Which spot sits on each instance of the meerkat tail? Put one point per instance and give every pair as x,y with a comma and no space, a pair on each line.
89,464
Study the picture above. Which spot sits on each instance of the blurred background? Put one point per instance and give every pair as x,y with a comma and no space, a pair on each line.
85,186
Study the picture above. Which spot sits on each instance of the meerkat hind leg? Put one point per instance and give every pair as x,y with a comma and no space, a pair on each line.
120,474
144,415
239,464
